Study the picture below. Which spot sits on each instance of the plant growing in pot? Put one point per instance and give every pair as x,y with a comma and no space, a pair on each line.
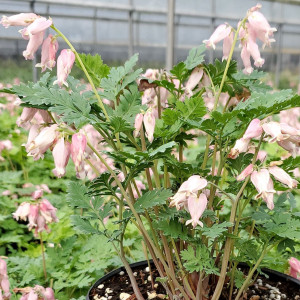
192,157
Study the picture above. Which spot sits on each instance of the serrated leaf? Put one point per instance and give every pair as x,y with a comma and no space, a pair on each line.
94,66
151,199
179,71
162,149
216,230
77,195
195,57
83,225
192,108
198,260
119,78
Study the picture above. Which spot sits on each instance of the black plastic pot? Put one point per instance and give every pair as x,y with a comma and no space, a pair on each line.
283,278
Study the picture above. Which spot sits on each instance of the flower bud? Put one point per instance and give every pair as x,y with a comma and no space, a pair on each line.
78,147
246,172
149,122
221,32
138,124
283,177
35,41
294,267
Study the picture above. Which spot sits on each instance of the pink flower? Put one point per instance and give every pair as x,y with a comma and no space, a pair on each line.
189,188
49,294
33,133
149,122
49,49
35,41
3,267
26,116
283,177
42,142
241,145
246,172
294,267
245,55
196,207
22,211
37,194
48,211
39,25
37,292
32,217
221,32
23,19
194,79
264,185
65,62
138,124
227,44
78,147
261,27
273,129
61,153
254,130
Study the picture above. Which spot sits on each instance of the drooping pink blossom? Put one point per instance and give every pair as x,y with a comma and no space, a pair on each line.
194,79
273,130
61,153
78,147
241,145
138,124
283,177
26,116
65,63
264,185
227,44
33,133
245,55
35,41
37,194
149,122
49,49
39,25
220,33
188,188
261,27
36,293
196,207
254,130
42,142
22,19
246,172
294,267
22,211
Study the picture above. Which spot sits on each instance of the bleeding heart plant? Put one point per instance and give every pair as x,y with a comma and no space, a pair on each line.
190,156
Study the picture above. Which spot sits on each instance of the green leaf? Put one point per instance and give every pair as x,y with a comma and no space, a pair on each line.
77,195
161,150
195,57
151,199
83,225
216,230
197,260
119,78
119,124
173,228
179,71
192,108
94,66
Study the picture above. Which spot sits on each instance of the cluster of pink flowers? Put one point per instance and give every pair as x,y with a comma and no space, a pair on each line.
36,293
261,179
255,27
286,136
4,283
187,196
39,213
34,31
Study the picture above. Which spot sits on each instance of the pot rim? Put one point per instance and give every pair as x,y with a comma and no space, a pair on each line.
268,271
